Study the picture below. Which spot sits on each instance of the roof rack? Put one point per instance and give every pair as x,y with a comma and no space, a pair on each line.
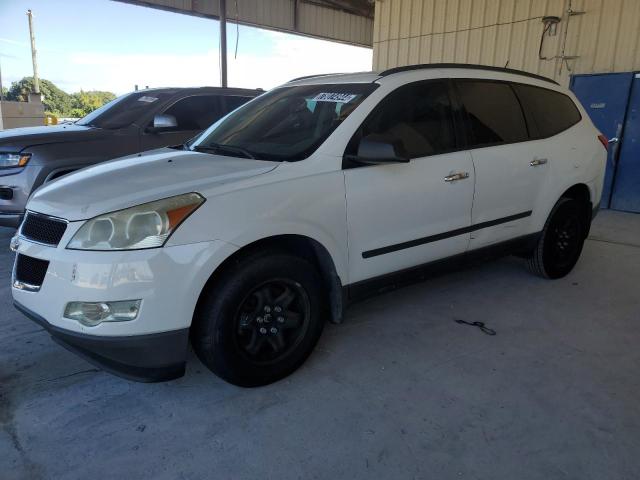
408,68
313,76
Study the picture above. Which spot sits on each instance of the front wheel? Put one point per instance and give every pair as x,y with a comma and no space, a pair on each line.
561,241
260,320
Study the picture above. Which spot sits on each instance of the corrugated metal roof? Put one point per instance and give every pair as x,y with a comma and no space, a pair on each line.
347,21
605,38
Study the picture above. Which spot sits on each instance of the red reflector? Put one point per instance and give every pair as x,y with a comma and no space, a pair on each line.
604,141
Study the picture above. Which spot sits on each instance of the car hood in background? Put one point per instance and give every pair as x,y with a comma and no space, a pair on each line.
138,179
16,139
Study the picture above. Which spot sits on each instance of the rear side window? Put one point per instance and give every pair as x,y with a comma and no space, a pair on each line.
493,111
548,112
417,115
197,112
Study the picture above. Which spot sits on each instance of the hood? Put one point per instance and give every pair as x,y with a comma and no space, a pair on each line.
20,138
142,178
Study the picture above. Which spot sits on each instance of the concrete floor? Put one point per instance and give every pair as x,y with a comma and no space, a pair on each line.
398,391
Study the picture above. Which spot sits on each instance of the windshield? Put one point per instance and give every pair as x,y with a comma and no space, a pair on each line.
285,124
124,110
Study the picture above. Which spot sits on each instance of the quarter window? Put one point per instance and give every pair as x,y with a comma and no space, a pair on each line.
548,112
494,113
417,115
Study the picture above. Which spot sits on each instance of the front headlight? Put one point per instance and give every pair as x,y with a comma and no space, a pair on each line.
13,160
145,226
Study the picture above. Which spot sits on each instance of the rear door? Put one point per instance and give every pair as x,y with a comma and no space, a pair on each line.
406,214
509,172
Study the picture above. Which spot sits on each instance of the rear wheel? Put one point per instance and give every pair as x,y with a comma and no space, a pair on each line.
260,320
561,242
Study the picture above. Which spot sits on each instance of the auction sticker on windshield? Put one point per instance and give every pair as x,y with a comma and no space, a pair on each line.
334,97
148,99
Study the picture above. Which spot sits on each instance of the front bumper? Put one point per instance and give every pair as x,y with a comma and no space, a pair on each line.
20,183
167,280
11,220
143,358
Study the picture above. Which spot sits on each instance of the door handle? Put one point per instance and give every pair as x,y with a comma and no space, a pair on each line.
538,161
613,140
456,176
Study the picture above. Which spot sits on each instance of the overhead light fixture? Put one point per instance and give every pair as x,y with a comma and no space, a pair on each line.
551,25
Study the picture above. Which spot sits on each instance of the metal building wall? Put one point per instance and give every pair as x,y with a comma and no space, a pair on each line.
304,17
605,38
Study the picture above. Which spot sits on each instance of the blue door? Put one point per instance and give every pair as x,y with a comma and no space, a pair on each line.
605,98
626,186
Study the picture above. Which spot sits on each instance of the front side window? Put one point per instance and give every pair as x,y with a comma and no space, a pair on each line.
493,111
549,112
231,102
285,124
196,112
417,116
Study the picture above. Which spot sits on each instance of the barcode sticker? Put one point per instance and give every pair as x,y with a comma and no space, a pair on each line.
334,97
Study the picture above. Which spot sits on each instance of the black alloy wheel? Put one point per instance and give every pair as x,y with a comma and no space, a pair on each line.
272,320
561,241
260,319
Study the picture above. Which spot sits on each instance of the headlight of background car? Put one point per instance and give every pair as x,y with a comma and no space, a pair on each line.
13,160
144,226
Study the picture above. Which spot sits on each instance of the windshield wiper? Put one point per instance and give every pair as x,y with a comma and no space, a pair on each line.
218,147
180,146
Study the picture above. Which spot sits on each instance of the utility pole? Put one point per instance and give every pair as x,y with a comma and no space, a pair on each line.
1,99
36,79
223,43
1,92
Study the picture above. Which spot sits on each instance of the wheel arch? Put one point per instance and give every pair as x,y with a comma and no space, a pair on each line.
581,193
298,245
59,173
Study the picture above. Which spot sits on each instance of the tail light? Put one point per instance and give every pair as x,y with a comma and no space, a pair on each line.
604,141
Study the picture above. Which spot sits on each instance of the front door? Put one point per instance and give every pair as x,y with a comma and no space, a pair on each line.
406,214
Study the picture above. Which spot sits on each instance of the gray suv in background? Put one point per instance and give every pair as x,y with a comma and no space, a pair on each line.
135,122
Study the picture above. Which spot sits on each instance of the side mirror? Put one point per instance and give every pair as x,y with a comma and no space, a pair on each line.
163,121
373,150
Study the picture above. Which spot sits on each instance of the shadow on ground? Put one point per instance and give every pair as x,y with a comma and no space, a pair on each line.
398,391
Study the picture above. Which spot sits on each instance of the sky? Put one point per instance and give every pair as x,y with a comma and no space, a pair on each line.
112,46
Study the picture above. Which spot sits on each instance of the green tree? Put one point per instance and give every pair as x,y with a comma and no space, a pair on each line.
56,101
86,102
59,102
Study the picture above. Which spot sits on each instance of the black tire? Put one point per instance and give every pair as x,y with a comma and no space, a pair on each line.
561,241
232,318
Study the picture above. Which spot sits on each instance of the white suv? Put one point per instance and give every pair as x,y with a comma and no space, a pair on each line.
320,191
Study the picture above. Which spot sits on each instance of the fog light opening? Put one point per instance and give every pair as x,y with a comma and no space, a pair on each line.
92,314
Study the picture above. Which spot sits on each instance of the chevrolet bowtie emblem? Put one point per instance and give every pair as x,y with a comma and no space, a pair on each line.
15,243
